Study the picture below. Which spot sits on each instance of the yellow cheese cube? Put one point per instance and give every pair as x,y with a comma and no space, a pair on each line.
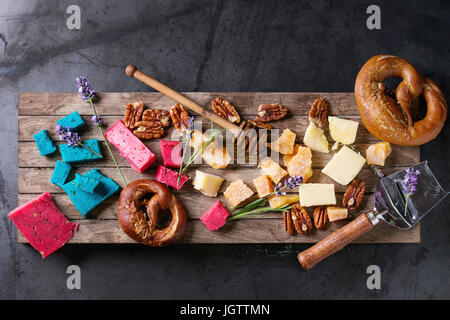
336,213
316,194
343,130
344,166
300,164
208,184
237,193
288,157
285,143
263,186
272,169
377,153
216,157
315,139
278,202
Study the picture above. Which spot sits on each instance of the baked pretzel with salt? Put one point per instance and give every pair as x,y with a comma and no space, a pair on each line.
390,119
139,223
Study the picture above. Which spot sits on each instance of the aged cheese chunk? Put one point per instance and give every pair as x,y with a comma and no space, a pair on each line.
316,194
336,213
216,157
278,202
344,166
315,139
206,183
272,169
377,153
285,143
263,186
343,130
237,193
300,163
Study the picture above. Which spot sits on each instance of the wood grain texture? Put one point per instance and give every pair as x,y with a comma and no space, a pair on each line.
243,231
39,111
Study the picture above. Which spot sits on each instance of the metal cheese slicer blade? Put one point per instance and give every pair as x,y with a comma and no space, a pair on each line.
395,208
392,206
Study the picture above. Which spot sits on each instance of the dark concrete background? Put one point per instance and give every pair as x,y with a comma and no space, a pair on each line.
218,46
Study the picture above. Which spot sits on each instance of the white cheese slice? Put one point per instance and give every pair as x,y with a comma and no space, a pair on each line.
208,184
343,130
344,166
316,194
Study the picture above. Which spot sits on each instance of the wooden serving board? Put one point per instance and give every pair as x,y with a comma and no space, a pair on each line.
39,111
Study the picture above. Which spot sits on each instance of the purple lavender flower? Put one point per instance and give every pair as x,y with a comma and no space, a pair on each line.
277,190
410,181
293,182
85,89
377,171
97,120
71,138
190,127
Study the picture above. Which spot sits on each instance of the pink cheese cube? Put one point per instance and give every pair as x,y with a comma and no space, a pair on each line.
42,224
170,177
131,148
171,153
215,217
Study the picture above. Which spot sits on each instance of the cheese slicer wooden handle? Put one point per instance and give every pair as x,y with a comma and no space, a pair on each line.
335,241
132,71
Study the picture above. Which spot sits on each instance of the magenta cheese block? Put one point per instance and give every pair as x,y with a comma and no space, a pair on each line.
131,148
171,153
42,224
170,177
215,217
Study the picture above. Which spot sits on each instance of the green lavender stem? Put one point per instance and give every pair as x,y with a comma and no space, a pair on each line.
258,210
182,160
107,144
86,147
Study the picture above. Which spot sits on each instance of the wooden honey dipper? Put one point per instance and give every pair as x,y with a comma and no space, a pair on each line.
243,140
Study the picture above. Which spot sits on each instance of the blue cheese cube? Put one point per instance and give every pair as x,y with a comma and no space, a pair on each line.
44,143
72,121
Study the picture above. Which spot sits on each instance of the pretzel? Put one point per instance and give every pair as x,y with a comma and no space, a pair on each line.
139,223
390,119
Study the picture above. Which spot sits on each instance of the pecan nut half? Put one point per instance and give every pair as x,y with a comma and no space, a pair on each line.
180,118
354,194
287,222
300,219
163,116
133,114
320,217
148,130
225,110
255,124
319,112
271,112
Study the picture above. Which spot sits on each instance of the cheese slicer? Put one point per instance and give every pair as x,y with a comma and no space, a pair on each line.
245,139
392,206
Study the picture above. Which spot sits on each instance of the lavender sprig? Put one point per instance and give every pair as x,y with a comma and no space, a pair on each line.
72,139
197,151
189,130
87,93
255,207
377,170
410,181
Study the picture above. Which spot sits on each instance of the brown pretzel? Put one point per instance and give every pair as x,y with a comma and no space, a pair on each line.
390,119
140,224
